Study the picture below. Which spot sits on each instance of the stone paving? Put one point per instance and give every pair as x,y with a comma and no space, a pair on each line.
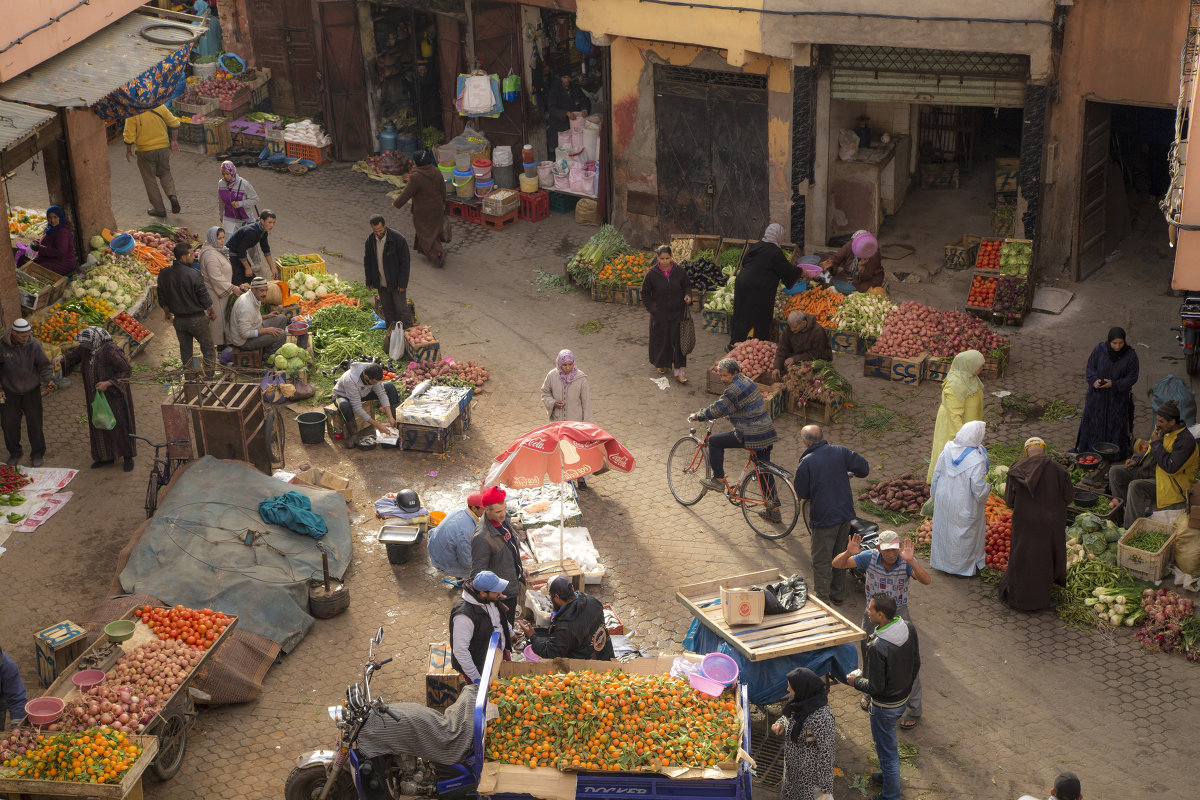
1011,699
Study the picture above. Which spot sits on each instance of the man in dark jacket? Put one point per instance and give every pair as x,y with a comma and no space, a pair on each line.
577,629
821,478
495,548
802,339
185,304
473,620
243,242
385,265
565,102
23,369
12,692
892,664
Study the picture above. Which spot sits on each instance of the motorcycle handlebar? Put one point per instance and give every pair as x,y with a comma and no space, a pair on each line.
381,663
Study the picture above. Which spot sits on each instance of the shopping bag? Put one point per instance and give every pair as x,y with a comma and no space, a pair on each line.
687,332
395,344
511,86
103,418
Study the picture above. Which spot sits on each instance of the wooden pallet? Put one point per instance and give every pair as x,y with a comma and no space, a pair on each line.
813,627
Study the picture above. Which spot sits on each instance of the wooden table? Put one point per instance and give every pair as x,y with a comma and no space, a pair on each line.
813,627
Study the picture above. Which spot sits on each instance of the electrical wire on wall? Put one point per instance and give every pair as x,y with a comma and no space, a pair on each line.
1172,202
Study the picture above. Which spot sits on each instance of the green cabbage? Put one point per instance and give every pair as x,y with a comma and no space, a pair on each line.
281,362
1094,542
1111,532
1089,522
290,350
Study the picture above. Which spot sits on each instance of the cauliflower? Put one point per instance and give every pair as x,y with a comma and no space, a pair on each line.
310,295
310,282
93,292
111,286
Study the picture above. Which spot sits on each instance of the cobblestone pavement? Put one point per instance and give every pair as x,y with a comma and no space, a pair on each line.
1011,699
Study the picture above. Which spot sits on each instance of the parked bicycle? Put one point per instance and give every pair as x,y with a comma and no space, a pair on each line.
762,488
160,471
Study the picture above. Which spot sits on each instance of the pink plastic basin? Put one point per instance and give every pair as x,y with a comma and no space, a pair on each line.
531,656
87,678
720,668
705,686
44,710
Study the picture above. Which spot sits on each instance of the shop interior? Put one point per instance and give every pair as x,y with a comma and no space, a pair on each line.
405,89
556,47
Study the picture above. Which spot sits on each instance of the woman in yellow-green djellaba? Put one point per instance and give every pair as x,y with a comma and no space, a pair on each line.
962,401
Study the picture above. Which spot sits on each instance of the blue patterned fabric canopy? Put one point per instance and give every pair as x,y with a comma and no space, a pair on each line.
153,88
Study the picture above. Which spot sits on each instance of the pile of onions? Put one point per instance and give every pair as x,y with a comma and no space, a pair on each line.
753,356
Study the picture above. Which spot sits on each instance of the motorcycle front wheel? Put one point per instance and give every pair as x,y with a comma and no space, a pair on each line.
1192,360
307,783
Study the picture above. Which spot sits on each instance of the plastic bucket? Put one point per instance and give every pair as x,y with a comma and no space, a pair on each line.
312,427
504,177
720,668
462,160
545,171
464,187
529,185
445,153
482,167
447,171
502,156
530,656
705,685
531,170
484,188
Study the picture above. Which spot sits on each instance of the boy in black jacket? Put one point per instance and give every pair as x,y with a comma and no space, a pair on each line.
892,663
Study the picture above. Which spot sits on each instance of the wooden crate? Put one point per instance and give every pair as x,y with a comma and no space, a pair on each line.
939,176
54,285
908,370
774,397
877,366
733,244
865,343
707,242
716,321
56,648
222,419
422,352
937,368
1141,563
129,788
712,383
1008,175
814,410
608,294
425,438
962,252
843,341
813,627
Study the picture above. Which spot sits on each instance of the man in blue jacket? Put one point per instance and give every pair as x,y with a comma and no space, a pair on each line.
450,542
822,479
12,692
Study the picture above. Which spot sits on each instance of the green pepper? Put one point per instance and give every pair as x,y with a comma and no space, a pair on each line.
15,518
15,499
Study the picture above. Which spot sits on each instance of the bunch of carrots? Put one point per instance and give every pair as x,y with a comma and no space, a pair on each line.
822,303
152,258
313,306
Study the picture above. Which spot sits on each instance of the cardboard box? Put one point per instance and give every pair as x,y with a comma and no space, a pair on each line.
56,648
843,341
321,479
907,370
442,681
877,366
743,606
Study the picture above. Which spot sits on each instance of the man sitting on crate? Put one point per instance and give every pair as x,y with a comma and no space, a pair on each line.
1174,457
474,618
577,628
352,388
802,339
450,540
247,328
742,402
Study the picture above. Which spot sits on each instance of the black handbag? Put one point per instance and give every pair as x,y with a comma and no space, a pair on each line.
687,332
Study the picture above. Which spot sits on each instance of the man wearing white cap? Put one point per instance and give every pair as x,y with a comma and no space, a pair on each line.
23,369
247,328
888,571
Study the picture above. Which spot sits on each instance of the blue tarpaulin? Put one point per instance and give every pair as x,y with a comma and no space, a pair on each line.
207,547
767,680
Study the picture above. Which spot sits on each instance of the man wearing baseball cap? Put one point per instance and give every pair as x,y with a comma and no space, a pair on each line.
887,571
577,628
450,541
23,369
473,620
495,547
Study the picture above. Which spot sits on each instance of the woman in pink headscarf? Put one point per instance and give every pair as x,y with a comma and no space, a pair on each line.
565,391
236,198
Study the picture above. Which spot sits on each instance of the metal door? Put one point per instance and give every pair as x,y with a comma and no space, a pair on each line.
497,50
346,116
281,31
712,159
1092,246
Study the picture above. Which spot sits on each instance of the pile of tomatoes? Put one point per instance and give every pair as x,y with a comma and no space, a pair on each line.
999,533
197,627
989,255
983,292
131,326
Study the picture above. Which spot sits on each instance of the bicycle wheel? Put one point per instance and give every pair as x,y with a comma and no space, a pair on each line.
806,517
155,483
765,490
687,464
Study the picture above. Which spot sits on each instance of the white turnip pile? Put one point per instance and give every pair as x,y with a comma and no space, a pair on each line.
753,356
905,493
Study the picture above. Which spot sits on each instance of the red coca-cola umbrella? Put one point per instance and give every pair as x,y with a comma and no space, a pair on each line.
558,452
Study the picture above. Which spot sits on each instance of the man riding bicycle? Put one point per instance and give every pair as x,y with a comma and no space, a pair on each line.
753,429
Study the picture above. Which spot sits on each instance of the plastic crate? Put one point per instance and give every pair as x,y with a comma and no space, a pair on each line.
1142,563
498,223
535,206
317,155
562,203
312,268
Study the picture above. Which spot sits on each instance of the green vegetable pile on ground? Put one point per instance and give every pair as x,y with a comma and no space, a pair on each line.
1097,536
604,244
720,299
863,313
1015,258
729,258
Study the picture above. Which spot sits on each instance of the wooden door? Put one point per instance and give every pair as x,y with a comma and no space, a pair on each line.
683,153
346,117
1092,245
497,50
282,37
450,64
300,46
737,106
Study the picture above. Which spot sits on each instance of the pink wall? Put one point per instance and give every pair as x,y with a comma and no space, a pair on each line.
1187,249
22,16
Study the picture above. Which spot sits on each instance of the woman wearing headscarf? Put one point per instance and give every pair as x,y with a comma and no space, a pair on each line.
857,271
962,401
666,291
960,491
1038,491
764,267
808,735
1112,371
566,395
56,249
427,190
217,271
237,197
105,369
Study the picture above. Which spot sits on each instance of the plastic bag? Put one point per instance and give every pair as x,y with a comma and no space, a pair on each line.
103,418
684,667
272,387
784,596
1175,388
395,343
511,86
476,95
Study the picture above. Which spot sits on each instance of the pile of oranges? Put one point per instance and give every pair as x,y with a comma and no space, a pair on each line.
99,755
609,721
197,627
59,328
625,270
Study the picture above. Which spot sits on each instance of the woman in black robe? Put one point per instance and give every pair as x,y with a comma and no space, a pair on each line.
1038,491
763,268
105,368
1112,371
666,291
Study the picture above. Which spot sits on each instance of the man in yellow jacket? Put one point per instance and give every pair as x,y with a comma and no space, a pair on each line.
154,133
1174,458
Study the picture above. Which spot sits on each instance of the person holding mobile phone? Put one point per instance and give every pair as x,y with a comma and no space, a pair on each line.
1112,372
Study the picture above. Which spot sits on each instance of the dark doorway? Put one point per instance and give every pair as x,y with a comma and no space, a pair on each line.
711,132
497,51
282,31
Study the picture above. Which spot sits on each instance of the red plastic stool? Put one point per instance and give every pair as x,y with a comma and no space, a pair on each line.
457,208
474,213
535,206
501,222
